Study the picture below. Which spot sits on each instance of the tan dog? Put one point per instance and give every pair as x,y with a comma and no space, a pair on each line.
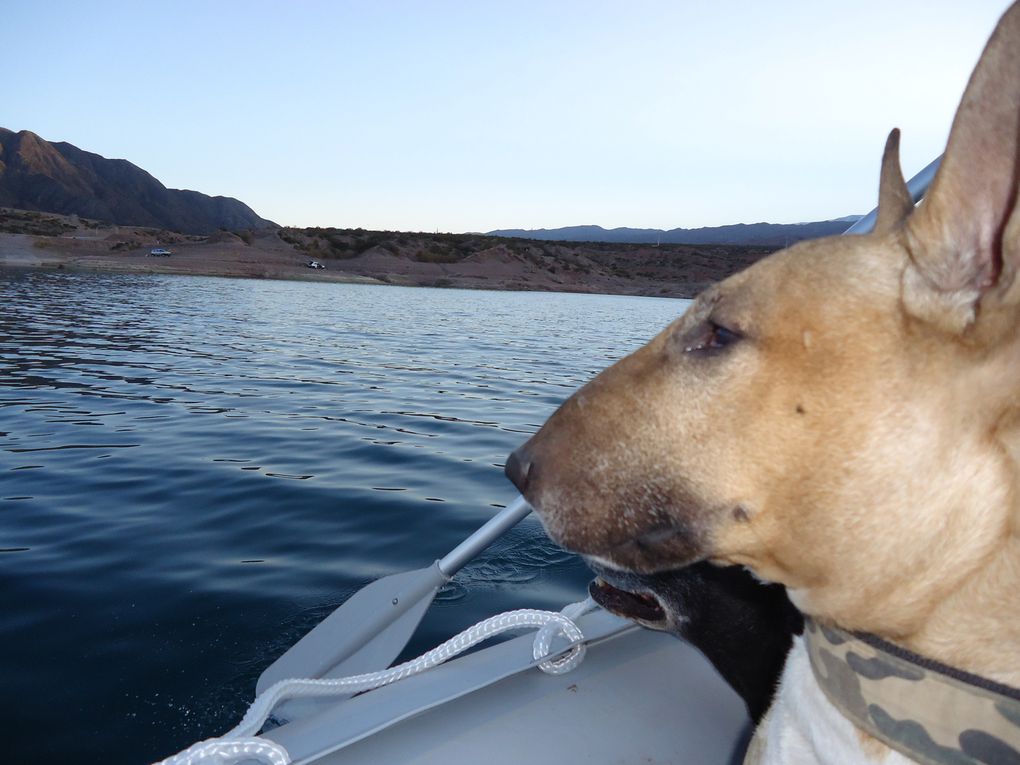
843,418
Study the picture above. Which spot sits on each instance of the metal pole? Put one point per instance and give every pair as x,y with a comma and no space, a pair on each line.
917,186
495,527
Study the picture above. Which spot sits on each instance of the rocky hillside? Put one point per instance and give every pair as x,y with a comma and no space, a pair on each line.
471,261
60,178
482,261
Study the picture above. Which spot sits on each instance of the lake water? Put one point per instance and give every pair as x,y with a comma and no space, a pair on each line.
194,471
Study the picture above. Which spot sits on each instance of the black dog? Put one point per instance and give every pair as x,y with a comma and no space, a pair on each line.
745,628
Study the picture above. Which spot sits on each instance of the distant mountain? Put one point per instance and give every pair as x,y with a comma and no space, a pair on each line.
757,234
60,178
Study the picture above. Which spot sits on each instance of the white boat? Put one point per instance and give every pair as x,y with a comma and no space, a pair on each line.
638,696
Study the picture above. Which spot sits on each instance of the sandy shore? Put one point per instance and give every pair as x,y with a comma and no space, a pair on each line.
406,259
267,260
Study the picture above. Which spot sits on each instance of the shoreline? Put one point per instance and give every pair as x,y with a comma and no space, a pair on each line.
335,278
382,258
79,265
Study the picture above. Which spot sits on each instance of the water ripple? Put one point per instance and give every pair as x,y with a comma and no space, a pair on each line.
197,470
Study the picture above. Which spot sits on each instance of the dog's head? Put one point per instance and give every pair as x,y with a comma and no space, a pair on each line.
839,416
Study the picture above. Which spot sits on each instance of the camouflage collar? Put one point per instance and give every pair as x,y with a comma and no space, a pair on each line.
929,712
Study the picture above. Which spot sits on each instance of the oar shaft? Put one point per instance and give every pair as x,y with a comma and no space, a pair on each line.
917,186
494,528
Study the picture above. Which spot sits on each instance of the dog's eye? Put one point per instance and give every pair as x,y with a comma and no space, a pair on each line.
712,338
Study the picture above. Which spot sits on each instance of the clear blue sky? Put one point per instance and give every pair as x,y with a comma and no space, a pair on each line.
476,115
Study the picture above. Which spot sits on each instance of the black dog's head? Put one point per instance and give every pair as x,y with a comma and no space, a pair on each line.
745,628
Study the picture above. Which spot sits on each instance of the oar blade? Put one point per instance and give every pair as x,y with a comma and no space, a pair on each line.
365,633
368,631
380,652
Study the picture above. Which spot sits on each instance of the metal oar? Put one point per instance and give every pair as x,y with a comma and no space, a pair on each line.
917,186
369,630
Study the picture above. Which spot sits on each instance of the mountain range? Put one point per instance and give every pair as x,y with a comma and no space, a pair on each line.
58,177
757,234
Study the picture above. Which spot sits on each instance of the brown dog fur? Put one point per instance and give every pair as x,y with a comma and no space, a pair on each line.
843,417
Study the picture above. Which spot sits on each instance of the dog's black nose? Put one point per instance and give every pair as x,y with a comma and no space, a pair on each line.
518,468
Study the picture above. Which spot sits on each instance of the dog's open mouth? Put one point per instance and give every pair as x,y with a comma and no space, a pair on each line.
631,605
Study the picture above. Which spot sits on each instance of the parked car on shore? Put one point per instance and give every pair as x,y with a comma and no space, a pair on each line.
314,264
159,252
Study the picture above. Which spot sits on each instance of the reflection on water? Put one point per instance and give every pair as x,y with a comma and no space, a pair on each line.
193,471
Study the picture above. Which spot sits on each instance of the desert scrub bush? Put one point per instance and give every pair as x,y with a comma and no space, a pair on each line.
341,251
294,240
437,256
12,222
341,245
368,241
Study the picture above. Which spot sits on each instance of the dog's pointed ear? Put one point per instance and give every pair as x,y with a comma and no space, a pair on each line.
894,202
961,239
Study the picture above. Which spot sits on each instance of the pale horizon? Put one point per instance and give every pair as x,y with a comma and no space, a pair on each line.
452,117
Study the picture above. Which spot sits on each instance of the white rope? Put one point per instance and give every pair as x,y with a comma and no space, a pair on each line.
242,742
544,637
224,751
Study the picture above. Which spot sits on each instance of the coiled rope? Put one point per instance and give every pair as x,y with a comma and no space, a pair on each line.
242,742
